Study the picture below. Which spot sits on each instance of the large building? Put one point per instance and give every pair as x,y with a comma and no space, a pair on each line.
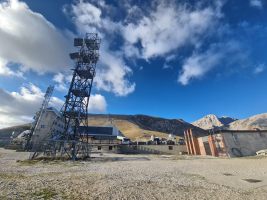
44,127
226,143
100,132
52,122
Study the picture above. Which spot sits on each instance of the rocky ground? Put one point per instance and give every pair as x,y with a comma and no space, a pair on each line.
113,176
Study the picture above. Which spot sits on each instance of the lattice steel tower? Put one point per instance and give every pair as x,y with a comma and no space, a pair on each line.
75,109
38,116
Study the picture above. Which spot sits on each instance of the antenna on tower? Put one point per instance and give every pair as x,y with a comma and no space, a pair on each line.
75,109
70,142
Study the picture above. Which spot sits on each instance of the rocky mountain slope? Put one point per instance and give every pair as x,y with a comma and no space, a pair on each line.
128,128
254,122
139,127
143,126
212,121
5,133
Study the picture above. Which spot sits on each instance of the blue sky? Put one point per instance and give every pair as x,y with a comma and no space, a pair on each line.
173,59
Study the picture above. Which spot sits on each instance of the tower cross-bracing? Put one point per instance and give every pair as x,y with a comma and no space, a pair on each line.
75,109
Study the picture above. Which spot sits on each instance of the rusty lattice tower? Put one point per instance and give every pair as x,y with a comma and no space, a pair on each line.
75,109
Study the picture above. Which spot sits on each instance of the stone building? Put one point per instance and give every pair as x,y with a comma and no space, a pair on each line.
226,143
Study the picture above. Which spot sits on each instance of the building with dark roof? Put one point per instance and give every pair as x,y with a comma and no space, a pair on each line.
100,132
226,143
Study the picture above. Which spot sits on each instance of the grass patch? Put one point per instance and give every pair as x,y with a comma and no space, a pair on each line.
41,161
255,157
3,197
46,193
47,158
195,176
193,157
11,176
28,162
64,164
179,157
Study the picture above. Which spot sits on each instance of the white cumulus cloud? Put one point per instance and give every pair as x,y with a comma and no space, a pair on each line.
161,30
28,39
97,103
259,69
197,65
200,63
157,30
112,71
62,81
112,74
19,107
168,27
6,71
256,3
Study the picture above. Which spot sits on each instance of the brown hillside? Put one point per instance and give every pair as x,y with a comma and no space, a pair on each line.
127,128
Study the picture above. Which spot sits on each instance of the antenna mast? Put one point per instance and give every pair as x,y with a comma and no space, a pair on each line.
75,109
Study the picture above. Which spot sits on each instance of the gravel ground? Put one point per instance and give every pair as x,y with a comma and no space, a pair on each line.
113,176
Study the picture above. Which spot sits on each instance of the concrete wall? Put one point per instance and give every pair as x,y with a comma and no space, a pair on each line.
153,149
43,129
192,143
116,131
201,146
217,145
244,143
104,149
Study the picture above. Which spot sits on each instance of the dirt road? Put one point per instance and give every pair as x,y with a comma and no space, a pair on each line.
113,176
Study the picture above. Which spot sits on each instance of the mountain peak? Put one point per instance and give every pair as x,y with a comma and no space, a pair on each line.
258,121
212,121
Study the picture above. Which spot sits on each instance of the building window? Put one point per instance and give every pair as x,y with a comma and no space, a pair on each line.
170,147
42,126
110,148
99,148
